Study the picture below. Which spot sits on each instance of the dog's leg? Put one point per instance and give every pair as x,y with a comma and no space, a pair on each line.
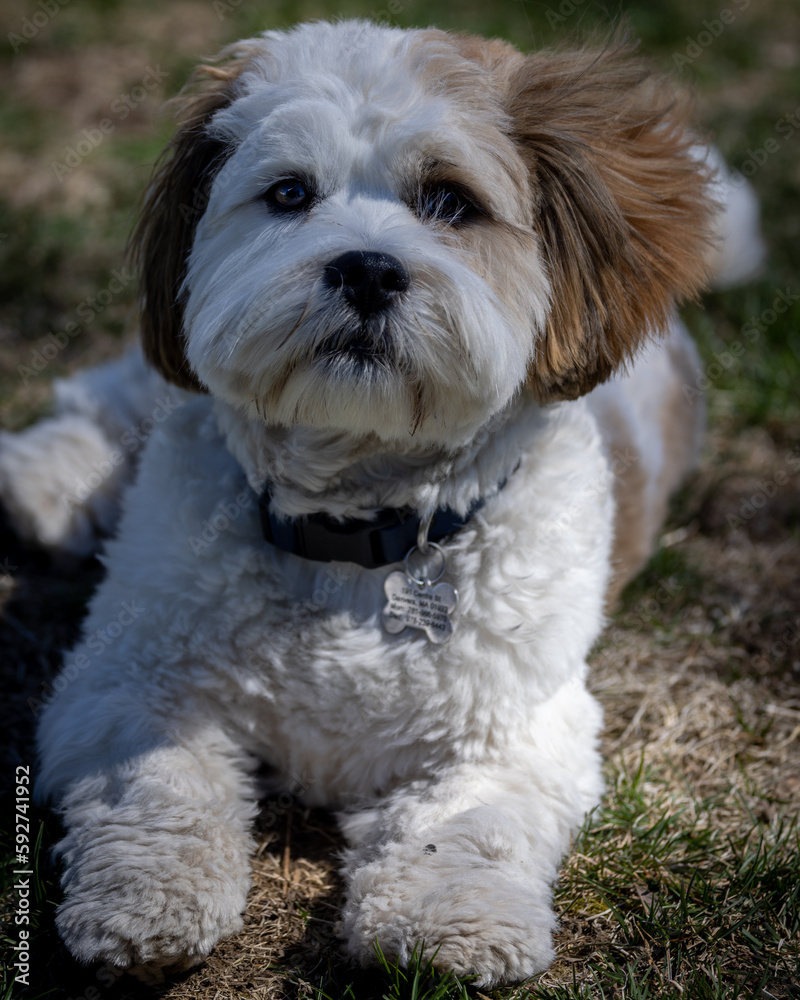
61,479
464,863
156,854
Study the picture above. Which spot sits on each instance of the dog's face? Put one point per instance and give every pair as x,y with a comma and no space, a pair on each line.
367,259
393,232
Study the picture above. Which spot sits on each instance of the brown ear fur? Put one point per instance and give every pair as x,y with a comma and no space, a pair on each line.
622,208
174,203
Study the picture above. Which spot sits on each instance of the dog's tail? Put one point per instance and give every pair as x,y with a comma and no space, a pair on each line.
739,252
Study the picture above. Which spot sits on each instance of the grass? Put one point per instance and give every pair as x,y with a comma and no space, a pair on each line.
684,884
419,981
680,906
675,907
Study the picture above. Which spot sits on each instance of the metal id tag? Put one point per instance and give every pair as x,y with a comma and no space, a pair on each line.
417,601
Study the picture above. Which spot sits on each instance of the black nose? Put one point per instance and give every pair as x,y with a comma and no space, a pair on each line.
368,280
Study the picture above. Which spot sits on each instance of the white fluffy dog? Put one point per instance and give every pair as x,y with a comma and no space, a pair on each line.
372,543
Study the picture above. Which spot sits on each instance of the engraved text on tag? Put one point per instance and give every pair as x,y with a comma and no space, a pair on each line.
420,605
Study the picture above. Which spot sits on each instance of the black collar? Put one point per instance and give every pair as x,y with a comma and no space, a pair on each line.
385,539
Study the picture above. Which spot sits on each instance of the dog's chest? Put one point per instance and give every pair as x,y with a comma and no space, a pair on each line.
306,668
291,654
325,693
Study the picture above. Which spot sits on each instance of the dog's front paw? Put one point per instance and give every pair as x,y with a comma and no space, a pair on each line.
153,904
488,919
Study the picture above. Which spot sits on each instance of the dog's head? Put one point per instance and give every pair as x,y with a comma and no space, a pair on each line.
394,232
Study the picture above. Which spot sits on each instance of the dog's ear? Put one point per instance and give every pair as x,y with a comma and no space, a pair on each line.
621,206
174,203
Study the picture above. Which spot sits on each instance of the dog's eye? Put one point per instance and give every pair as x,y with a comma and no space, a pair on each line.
290,195
445,204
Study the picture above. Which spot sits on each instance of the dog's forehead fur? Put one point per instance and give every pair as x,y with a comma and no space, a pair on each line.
377,107
397,73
